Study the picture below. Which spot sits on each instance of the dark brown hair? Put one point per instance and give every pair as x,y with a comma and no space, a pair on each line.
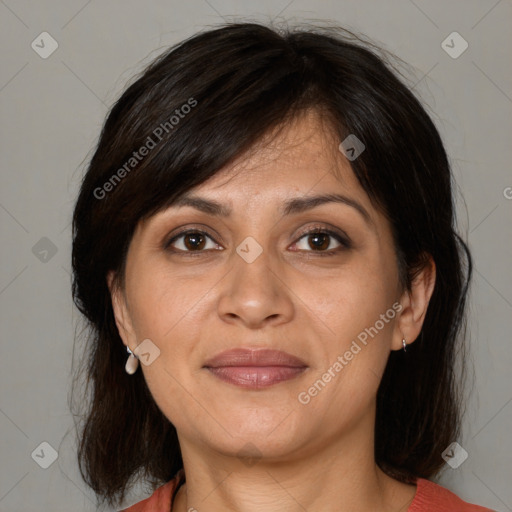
240,80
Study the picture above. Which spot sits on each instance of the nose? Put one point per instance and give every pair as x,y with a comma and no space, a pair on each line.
255,294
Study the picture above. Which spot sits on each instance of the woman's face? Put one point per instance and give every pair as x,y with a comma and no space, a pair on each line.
256,279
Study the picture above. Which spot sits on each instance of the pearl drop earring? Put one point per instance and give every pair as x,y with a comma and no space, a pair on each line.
132,363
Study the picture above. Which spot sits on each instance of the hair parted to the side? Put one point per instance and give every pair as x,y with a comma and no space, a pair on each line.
247,79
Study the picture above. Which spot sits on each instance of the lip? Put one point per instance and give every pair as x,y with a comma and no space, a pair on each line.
250,368
254,357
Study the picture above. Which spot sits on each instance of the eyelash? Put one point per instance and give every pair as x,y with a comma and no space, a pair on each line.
343,240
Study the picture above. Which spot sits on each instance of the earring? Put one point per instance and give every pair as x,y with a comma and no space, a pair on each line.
132,363
404,343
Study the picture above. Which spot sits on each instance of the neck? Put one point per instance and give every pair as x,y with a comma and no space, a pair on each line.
341,475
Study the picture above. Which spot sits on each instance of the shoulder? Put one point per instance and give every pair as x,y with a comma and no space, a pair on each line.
431,496
161,499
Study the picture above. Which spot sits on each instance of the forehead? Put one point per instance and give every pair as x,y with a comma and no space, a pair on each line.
298,156
294,162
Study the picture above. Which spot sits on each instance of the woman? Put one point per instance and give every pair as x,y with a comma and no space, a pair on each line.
267,225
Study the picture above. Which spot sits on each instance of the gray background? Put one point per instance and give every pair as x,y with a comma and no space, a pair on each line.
52,110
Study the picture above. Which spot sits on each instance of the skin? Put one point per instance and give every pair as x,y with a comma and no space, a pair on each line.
317,456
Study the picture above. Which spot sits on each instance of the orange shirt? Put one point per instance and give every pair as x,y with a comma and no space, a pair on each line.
429,497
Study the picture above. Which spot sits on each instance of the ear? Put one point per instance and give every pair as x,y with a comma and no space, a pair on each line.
121,313
415,303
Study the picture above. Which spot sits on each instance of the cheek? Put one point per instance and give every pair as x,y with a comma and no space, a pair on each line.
163,300
351,299
355,313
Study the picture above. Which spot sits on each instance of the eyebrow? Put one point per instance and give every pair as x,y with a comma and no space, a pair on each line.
291,206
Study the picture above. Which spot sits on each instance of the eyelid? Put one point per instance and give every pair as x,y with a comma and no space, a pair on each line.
336,233
185,231
191,228
322,228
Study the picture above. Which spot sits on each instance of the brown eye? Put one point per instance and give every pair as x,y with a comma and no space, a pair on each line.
320,241
191,241
323,241
194,241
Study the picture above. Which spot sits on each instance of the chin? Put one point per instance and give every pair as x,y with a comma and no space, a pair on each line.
269,432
